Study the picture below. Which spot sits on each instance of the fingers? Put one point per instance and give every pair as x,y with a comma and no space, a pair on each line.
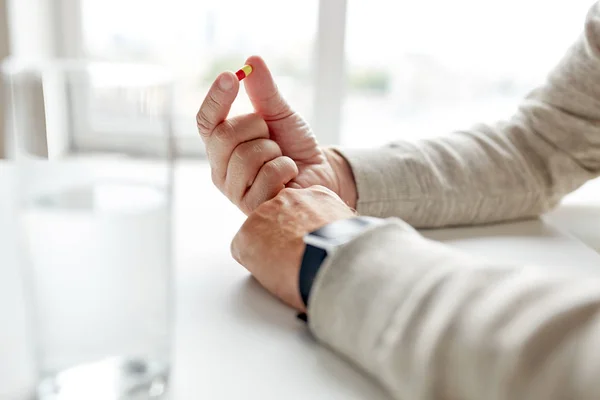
227,136
263,92
245,163
270,180
217,103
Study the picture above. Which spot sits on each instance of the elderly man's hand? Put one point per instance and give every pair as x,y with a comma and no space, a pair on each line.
254,156
270,243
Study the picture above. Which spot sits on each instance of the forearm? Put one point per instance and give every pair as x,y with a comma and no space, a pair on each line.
429,322
515,169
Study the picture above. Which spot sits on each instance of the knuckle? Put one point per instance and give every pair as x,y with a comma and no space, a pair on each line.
203,123
274,147
276,203
225,131
239,153
321,190
271,169
246,150
203,117
289,193
289,162
279,169
212,103
257,147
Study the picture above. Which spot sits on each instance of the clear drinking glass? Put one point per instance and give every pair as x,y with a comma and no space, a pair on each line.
92,144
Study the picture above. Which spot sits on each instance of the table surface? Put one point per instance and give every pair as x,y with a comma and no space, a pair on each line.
233,340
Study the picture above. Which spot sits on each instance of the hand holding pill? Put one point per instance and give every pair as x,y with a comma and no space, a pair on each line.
254,156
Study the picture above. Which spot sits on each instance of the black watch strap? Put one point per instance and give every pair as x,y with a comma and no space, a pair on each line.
331,235
311,263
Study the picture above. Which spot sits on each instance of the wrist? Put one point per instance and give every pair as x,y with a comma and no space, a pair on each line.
346,186
323,243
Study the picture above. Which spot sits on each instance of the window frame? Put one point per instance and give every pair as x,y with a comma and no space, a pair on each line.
329,82
4,53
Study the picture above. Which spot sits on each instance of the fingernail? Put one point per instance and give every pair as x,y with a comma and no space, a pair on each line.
225,82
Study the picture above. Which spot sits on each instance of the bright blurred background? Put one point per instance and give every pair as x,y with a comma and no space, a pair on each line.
362,72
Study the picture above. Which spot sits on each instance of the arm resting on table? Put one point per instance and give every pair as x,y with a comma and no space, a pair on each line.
429,322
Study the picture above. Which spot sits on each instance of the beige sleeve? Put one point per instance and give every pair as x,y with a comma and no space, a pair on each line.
429,322
514,169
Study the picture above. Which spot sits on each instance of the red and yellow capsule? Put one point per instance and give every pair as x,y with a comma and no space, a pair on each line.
243,72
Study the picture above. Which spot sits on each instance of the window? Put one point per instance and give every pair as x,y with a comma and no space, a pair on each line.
421,69
362,72
199,39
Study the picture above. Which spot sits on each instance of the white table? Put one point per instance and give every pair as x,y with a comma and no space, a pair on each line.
233,340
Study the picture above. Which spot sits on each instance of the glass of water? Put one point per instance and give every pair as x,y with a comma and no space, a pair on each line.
93,150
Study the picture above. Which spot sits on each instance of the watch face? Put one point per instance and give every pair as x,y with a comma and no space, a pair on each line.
342,229
323,243
337,233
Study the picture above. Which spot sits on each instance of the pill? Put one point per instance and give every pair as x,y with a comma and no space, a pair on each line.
244,72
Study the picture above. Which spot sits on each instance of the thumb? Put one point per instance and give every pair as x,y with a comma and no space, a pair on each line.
263,92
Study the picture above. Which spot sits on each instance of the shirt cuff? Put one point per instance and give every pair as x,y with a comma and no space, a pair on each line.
340,303
358,290
381,183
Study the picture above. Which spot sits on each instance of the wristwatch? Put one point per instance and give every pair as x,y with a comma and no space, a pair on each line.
323,243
